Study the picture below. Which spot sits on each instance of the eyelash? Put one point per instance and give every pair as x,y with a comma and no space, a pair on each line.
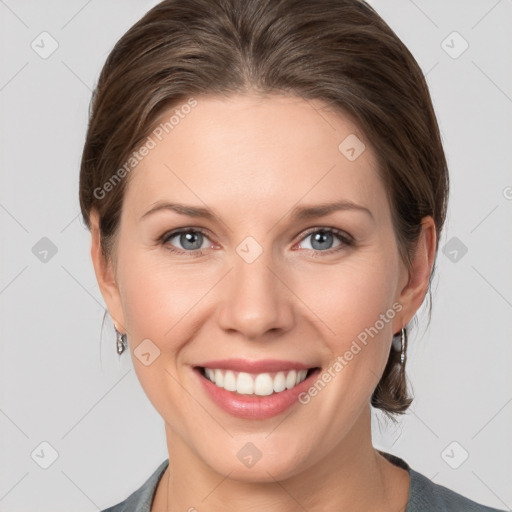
345,239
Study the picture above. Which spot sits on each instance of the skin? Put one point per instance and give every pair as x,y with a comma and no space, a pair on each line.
251,160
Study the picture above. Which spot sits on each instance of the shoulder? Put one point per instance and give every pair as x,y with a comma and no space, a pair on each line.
425,495
141,499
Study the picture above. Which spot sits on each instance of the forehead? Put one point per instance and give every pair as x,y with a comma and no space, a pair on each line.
253,151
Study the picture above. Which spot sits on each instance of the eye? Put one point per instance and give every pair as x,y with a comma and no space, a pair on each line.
192,240
323,238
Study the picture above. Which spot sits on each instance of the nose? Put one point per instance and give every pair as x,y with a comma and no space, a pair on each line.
256,302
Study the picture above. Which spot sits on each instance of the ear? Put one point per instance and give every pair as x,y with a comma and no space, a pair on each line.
105,275
417,277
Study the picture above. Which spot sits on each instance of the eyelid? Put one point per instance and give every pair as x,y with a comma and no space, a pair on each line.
348,239
179,231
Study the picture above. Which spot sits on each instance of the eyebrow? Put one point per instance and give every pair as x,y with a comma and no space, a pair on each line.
298,213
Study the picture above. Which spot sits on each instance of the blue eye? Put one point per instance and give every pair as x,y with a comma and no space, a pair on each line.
190,239
322,239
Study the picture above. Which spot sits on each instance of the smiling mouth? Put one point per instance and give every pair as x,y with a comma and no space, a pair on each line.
258,384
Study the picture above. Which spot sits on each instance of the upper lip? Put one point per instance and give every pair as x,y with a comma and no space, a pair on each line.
262,366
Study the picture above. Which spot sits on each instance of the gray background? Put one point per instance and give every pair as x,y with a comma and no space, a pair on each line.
61,380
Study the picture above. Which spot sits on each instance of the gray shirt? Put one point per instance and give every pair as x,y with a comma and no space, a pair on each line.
424,495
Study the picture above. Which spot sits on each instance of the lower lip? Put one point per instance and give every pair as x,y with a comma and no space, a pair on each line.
254,407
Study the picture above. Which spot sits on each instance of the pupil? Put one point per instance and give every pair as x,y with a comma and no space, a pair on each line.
321,237
188,238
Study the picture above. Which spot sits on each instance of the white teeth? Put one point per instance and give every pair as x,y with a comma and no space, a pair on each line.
291,379
219,378
261,384
230,381
279,382
244,384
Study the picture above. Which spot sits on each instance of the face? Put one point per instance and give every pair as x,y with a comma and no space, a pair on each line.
262,292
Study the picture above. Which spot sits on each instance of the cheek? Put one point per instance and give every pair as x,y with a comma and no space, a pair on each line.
356,304
350,296
158,302
162,299
146,296
354,301
152,292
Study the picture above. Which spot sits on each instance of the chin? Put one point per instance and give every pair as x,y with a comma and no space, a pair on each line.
251,464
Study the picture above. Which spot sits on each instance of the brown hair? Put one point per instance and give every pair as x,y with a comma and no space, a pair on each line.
337,51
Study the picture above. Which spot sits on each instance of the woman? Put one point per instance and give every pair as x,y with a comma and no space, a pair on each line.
265,186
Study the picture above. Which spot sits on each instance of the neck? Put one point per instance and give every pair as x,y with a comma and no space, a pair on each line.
354,476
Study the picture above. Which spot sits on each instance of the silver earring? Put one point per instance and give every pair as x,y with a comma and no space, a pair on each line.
400,344
121,342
